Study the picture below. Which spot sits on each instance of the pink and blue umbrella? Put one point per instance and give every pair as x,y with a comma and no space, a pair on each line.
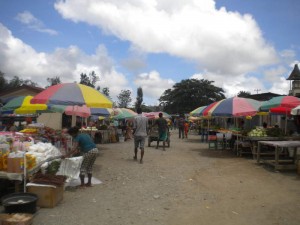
236,107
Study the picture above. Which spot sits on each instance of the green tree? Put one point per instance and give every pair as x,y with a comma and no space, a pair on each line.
89,80
53,81
139,98
189,94
3,82
124,98
244,94
105,91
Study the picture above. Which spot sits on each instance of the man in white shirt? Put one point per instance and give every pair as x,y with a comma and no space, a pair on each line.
140,129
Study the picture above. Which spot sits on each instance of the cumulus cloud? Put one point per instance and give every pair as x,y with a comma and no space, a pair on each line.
33,23
216,39
153,84
19,59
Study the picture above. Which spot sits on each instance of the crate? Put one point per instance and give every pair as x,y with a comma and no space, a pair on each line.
16,219
49,195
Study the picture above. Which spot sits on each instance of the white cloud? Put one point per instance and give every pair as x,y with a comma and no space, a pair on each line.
19,59
153,85
218,40
33,23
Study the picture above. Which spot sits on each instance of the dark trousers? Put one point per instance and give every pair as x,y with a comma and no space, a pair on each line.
181,132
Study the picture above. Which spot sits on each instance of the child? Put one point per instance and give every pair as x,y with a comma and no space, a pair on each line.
186,129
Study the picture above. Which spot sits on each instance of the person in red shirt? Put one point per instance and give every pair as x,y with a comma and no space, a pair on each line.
186,129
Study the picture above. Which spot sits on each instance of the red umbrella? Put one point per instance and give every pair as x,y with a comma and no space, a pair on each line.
282,101
281,110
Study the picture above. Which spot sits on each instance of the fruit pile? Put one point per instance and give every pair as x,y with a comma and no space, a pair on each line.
258,132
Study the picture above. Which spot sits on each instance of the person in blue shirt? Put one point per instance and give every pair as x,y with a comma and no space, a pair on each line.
84,144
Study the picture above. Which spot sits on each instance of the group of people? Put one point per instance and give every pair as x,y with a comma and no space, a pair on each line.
84,144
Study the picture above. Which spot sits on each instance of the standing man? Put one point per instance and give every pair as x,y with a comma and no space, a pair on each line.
140,130
162,130
181,122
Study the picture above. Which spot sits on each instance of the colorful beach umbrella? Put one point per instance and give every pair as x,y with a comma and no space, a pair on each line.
102,112
280,110
207,112
72,94
124,113
236,107
280,101
155,115
22,105
296,110
198,111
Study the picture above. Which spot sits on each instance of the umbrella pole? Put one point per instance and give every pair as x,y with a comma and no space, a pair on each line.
25,172
285,127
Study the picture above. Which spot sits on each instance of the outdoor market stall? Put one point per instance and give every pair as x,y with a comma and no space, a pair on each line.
282,159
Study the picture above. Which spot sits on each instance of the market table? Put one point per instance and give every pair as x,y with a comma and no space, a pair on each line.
279,164
255,139
18,178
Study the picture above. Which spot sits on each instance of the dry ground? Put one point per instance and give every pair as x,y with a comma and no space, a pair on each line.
186,185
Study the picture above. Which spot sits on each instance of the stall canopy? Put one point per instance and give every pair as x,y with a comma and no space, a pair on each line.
72,94
124,113
155,115
198,111
232,107
296,110
280,101
22,105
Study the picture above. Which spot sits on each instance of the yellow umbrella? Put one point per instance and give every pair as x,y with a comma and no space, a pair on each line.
22,105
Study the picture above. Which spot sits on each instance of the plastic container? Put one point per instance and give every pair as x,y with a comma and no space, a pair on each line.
19,203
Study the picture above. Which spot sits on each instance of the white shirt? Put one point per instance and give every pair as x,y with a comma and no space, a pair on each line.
140,125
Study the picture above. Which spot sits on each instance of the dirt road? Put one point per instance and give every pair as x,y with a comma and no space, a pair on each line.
185,185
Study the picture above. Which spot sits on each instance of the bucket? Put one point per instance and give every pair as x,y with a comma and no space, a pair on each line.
20,203
121,139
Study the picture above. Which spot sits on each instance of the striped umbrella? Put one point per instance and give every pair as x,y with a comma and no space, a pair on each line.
124,113
280,101
198,111
22,105
236,107
155,115
72,94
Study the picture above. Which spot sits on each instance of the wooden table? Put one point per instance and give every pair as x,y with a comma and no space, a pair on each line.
277,162
254,142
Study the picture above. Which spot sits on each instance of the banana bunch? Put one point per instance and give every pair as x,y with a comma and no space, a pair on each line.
29,130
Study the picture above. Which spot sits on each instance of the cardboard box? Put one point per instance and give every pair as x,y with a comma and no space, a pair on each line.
16,219
15,165
49,195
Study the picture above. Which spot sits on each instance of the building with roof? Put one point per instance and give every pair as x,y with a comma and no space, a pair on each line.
23,90
294,82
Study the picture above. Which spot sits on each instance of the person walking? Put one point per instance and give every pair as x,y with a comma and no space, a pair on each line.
181,121
186,129
88,150
140,132
162,130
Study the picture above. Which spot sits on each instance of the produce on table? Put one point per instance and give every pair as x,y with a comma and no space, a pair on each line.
258,132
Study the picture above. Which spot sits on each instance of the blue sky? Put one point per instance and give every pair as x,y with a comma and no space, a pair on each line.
153,44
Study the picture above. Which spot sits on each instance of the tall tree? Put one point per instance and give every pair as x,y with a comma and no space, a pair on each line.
124,98
190,94
105,91
53,81
139,98
89,80
3,82
244,94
